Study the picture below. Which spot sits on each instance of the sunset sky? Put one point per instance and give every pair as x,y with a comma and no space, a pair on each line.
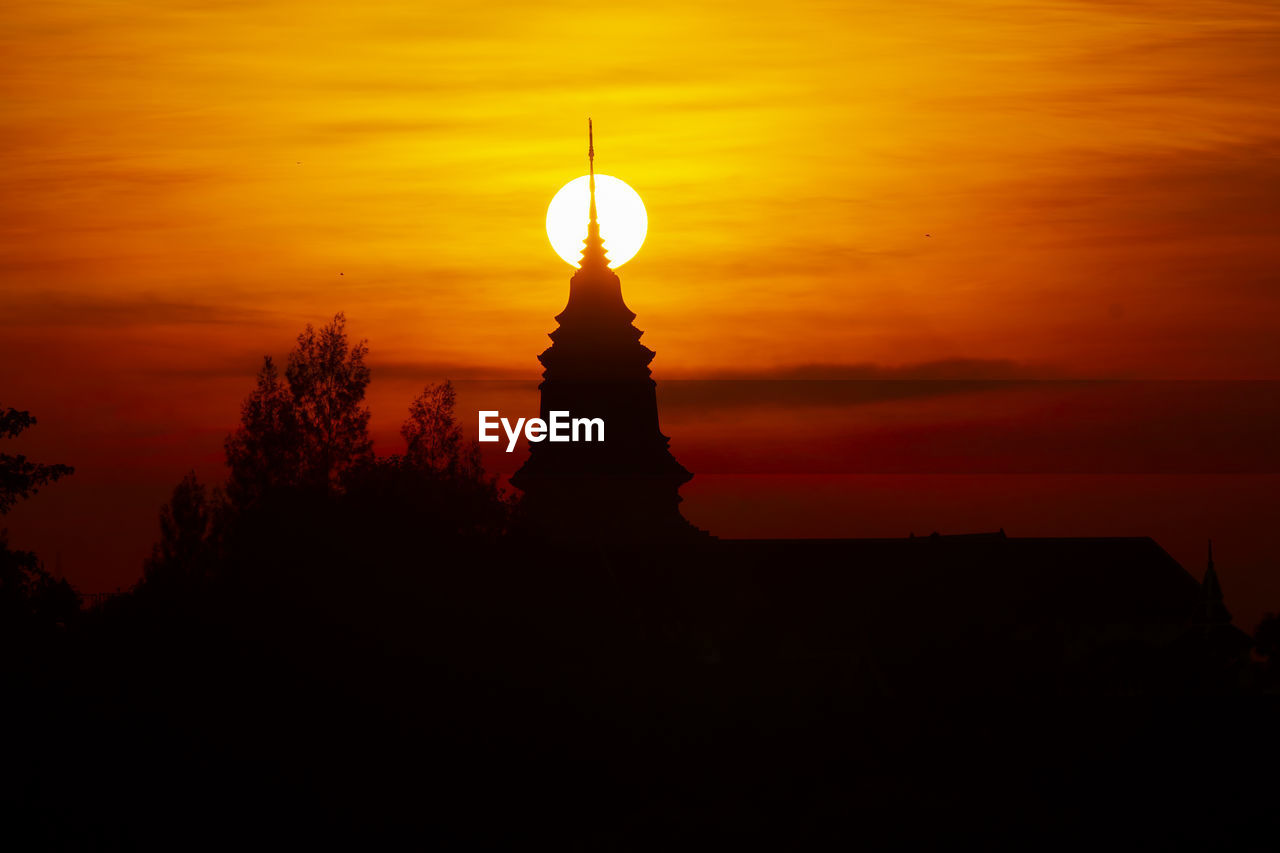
1001,189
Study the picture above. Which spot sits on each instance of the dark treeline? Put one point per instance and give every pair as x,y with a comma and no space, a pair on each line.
343,648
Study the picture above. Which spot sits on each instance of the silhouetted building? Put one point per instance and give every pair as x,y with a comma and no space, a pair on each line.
625,488
984,612
976,613
1212,643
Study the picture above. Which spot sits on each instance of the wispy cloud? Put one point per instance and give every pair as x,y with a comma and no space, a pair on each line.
67,308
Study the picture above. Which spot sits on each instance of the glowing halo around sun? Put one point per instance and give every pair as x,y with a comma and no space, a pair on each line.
619,210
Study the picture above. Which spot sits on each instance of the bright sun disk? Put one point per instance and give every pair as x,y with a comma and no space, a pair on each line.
619,210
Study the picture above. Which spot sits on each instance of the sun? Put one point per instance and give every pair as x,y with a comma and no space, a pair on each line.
621,213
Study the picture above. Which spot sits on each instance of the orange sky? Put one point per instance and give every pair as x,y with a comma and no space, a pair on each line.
1098,179
186,184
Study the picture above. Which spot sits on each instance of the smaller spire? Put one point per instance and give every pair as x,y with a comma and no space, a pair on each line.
1211,594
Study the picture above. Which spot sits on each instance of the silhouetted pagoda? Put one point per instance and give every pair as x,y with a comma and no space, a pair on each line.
626,488
990,614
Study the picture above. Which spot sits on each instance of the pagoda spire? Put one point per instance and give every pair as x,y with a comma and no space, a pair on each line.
593,253
591,168
625,489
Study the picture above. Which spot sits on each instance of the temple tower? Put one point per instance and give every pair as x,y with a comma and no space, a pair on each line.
626,488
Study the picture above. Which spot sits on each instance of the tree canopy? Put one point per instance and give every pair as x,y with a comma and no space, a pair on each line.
21,478
310,429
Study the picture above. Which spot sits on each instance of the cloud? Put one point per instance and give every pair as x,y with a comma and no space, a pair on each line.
945,369
1176,196
55,308
378,128
844,385
1068,427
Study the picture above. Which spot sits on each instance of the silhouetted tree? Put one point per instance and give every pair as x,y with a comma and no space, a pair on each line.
29,595
438,486
309,432
185,554
327,379
434,438
20,478
265,450
315,523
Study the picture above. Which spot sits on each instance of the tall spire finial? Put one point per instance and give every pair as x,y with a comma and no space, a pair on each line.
591,166
593,254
